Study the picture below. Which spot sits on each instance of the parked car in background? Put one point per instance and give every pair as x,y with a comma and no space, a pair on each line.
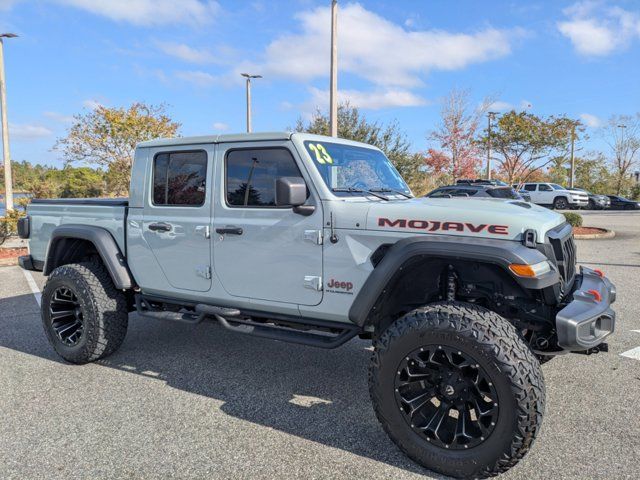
476,188
621,203
556,196
596,201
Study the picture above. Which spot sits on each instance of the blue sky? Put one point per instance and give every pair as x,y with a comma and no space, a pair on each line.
397,60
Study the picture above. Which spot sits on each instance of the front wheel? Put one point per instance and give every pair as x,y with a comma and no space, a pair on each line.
457,390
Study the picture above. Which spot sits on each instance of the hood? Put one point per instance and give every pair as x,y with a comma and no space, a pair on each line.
482,217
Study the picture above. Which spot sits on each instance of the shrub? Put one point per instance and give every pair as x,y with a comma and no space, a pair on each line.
9,224
574,219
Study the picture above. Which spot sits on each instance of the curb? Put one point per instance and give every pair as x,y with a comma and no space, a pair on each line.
595,236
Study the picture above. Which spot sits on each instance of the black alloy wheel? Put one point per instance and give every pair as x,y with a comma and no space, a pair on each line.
446,397
66,317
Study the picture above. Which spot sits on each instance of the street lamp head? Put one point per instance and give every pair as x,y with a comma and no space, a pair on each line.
8,35
248,75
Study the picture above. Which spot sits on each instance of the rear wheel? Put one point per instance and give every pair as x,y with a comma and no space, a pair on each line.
560,203
84,316
457,390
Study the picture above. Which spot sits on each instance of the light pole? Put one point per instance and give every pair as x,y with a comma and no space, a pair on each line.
333,82
249,77
8,181
490,116
572,176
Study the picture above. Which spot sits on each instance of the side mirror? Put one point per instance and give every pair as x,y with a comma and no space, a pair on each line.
290,191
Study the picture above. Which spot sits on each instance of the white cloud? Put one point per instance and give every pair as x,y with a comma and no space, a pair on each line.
197,77
596,29
7,4
377,49
501,106
28,132
373,100
150,12
591,120
220,127
185,52
525,105
91,104
59,117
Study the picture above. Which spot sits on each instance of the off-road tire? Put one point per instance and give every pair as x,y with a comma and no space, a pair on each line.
497,347
560,203
104,311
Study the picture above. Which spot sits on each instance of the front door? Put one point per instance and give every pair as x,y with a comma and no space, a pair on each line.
262,251
177,216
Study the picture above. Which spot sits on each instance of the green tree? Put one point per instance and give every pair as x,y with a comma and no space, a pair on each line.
523,143
107,137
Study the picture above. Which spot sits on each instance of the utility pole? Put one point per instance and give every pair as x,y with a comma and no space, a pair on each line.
490,116
572,176
333,84
249,77
8,180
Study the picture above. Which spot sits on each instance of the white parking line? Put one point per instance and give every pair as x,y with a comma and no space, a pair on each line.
33,286
634,352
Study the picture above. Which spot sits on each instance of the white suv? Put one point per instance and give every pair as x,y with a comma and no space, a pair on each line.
556,196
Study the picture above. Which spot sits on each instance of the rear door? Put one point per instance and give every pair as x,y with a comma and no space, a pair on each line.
262,251
177,215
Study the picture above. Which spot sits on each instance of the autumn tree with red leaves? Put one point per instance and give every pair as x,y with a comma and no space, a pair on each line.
455,153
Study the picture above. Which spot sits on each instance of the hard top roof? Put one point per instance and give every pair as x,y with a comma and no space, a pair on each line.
245,137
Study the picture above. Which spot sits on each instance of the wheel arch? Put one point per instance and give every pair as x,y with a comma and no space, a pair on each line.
72,243
411,272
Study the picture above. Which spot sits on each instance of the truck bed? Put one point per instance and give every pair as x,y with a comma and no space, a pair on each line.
46,214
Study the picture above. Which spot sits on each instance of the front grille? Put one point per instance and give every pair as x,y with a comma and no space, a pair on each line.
564,253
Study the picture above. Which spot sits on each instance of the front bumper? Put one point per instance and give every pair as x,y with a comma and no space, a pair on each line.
586,321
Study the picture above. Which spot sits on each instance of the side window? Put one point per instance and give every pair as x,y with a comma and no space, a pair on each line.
544,188
251,175
530,187
180,178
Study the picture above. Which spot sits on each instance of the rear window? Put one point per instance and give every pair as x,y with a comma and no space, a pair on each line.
180,178
530,187
503,193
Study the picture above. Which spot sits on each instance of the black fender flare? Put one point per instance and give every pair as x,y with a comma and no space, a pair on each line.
485,250
105,245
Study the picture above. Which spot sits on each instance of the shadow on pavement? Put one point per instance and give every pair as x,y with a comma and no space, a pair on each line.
315,394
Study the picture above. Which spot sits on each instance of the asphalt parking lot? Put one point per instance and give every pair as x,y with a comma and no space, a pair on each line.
178,401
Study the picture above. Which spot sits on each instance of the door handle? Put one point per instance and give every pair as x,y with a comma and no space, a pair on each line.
160,227
230,230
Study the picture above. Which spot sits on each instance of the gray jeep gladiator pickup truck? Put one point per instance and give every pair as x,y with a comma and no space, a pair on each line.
316,240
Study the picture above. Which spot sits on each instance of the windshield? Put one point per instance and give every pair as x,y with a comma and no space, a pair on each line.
555,186
355,168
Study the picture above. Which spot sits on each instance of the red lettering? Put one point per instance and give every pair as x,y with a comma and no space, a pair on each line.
385,222
418,224
453,226
475,228
499,229
434,226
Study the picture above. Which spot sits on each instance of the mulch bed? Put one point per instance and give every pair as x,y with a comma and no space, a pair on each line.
6,253
588,230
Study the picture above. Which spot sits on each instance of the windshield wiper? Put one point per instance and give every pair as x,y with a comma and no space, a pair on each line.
383,190
360,190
